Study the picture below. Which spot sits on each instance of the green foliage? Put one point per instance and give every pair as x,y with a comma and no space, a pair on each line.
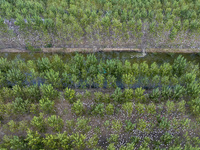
69,95
128,94
139,94
20,105
46,105
15,76
128,80
47,91
99,80
141,125
111,81
179,66
195,106
178,91
118,95
116,126
151,109
100,118
53,78
166,92
129,126
110,109
33,139
155,95
78,107
166,138
43,64
128,108
39,123
170,106
82,125
140,108
13,142
32,48
78,140
55,122
99,109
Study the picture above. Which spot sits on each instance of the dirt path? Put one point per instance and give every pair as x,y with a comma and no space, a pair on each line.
68,50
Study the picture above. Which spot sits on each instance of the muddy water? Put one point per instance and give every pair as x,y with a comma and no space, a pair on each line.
131,56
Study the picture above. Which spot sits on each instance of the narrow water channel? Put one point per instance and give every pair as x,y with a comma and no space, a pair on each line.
159,58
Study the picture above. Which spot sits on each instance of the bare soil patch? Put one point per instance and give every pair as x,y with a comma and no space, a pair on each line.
89,50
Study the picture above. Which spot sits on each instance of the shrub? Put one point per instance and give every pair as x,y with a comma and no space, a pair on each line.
32,93
57,64
155,95
178,91
110,109
50,141
55,122
144,69
170,106
78,107
129,126
156,80
98,97
166,92
179,66
113,138
2,79
53,78
99,80
34,140
195,106
165,70
82,125
18,91
20,105
5,65
43,64
13,142
140,108
111,81
166,138
142,125
128,80
47,91
118,95
154,69
39,123
6,93
128,108
93,141
116,126
139,94
151,109
78,140
69,95
193,89
99,109
181,107
47,105
15,76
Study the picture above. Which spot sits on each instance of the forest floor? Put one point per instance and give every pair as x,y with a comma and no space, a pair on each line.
87,50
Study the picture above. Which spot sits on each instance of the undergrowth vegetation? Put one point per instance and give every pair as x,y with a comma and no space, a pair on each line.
99,104
99,24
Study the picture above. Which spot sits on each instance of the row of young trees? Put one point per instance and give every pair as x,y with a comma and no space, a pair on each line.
113,23
36,113
89,72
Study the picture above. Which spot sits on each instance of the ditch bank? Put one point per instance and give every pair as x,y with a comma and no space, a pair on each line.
90,50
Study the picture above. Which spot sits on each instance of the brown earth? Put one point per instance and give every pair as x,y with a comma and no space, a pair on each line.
68,50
